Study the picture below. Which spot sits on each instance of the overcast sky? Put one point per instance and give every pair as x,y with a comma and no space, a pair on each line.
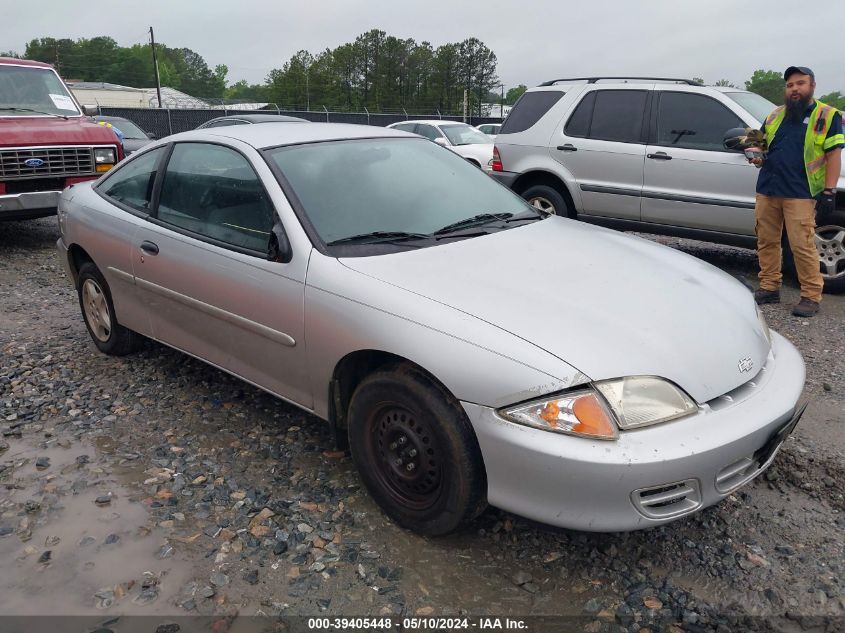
534,40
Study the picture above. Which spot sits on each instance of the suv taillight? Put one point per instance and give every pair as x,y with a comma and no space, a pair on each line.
497,160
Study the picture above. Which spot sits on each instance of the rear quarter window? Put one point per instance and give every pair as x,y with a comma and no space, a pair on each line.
529,109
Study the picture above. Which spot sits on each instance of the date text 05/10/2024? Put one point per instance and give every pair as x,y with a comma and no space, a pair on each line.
414,624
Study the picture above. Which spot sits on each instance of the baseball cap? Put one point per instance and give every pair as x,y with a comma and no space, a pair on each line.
797,69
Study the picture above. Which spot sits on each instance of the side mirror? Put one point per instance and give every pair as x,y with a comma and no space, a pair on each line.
90,110
279,249
440,141
152,136
734,138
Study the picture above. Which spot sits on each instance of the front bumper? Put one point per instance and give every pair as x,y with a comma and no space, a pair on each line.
648,476
21,206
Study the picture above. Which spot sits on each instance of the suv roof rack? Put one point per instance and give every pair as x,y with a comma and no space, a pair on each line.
592,80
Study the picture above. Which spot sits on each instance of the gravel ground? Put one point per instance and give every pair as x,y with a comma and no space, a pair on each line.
154,484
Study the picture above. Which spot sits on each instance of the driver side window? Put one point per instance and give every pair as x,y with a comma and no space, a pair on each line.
132,183
212,191
428,131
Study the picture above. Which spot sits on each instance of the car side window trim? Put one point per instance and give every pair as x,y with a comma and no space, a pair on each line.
643,120
157,187
653,137
593,96
153,198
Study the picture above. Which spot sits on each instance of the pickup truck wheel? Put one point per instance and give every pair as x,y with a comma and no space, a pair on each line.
546,199
416,451
830,242
98,311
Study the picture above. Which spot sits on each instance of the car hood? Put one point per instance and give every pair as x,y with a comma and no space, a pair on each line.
608,304
28,131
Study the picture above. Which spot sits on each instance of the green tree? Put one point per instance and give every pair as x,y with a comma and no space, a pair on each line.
514,93
698,80
724,83
835,99
768,84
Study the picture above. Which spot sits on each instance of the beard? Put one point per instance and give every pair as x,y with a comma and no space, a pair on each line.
795,108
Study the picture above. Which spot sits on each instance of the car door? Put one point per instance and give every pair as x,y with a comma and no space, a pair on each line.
202,265
129,188
602,144
690,180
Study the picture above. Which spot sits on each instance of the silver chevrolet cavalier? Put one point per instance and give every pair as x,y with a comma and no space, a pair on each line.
472,349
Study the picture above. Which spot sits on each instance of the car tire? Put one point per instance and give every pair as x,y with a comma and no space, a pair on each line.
98,313
830,241
546,198
416,451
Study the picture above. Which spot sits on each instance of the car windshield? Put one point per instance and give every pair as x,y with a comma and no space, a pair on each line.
129,129
32,91
759,107
395,186
465,135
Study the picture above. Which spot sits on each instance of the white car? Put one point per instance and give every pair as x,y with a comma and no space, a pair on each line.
459,137
490,129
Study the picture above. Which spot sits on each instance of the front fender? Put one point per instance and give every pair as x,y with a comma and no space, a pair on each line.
347,311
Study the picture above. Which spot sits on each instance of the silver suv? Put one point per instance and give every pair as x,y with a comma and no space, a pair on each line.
646,154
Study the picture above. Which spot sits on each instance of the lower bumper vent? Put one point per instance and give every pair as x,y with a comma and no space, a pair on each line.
668,500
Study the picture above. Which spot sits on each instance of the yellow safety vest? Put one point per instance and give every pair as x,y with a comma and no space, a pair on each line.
815,141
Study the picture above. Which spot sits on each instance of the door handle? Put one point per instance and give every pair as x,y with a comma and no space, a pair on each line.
659,156
149,247
569,147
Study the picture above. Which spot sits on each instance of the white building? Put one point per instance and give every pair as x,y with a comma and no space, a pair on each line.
95,93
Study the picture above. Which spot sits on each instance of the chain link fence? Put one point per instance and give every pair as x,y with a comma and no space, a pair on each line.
165,121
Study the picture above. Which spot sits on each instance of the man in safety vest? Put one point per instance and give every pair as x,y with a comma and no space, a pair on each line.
797,180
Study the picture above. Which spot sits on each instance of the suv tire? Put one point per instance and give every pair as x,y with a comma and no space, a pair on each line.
548,199
830,240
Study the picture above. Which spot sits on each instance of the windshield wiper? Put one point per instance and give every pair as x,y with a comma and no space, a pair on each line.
376,237
476,220
61,116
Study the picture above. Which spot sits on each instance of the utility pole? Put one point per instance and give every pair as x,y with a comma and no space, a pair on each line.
307,93
155,66
56,51
466,104
502,104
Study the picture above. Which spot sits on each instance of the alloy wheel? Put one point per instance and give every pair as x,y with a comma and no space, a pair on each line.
96,310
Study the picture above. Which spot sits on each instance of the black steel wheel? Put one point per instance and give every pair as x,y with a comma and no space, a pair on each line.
416,451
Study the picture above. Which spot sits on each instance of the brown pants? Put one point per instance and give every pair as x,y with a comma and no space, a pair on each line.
799,216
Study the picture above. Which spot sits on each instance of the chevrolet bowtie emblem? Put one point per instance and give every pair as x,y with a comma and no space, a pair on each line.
746,364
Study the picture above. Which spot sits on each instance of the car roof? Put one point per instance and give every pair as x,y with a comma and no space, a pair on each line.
23,62
434,121
104,117
259,118
276,134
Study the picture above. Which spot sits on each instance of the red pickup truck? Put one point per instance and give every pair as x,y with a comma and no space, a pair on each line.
47,142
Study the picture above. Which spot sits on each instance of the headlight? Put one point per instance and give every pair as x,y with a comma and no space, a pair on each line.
103,155
766,331
579,413
643,400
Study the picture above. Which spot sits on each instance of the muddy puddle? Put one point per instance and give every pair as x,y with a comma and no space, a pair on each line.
75,539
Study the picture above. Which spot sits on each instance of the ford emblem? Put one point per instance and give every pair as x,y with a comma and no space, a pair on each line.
746,364
33,162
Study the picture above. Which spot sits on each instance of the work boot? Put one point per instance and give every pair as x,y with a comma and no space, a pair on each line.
805,308
761,296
